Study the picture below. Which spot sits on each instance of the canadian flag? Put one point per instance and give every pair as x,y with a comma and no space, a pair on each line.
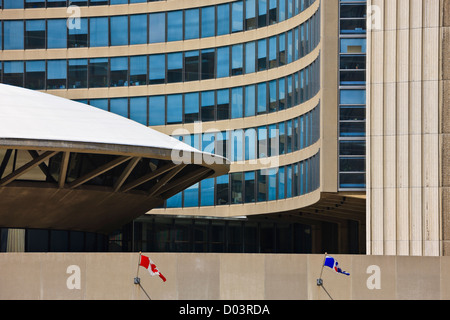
148,264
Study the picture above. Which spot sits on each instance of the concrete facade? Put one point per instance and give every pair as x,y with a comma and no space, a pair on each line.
406,98
76,276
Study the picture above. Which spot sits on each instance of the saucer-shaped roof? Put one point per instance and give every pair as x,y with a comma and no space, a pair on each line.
68,165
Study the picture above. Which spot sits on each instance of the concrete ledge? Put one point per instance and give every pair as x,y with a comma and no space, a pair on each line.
192,276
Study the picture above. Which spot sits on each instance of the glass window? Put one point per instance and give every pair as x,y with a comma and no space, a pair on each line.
273,100
249,186
282,49
13,35
98,72
262,55
99,32
208,63
208,104
35,34
250,15
262,186
353,45
119,72
289,181
236,139
282,10
191,196
295,181
13,73
222,190
191,66
250,143
272,184
138,109
289,134
77,73
273,52
236,103
99,103
174,108
208,21
56,3
56,74
236,188
273,140
35,75
175,201
138,29
352,129
157,111
223,104
273,14
352,180
290,93
290,47
119,106
56,33
174,67
207,192
282,137
223,62
250,57
157,27
237,11
281,183
174,26
262,98
222,144
353,97
191,107
236,63
281,94
192,28
262,13
208,143
138,71
34,4
78,33
223,19
250,100
119,30
12,4
262,142
157,72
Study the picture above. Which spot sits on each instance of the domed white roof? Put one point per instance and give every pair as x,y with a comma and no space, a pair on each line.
32,115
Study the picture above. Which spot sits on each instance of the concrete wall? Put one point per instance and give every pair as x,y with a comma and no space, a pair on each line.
110,276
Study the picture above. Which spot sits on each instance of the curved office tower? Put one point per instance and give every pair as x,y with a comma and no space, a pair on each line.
254,81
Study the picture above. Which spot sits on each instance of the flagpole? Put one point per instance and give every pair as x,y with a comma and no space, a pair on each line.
323,263
137,280
320,280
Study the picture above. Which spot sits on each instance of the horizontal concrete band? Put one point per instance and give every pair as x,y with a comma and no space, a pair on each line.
221,276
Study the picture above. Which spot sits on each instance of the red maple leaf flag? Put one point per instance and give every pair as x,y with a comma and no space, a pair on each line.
148,264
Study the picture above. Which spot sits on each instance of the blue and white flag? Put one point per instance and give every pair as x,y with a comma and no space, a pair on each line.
333,264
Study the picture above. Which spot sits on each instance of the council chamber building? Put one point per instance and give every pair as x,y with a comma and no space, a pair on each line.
276,87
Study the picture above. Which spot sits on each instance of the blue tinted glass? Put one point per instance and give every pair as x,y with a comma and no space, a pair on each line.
223,19
208,22
157,27
281,10
13,35
99,103
138,110
138,29
272,184
281,183
119,31
12,4
157,72
250,143
353,97
262,55
138,70
250,57
262,94
236,63
237,144
223,62
174,67
157,111
236,103
191,107
289,181
237,11
207,192
56,33
99,32
119,106
353,45
174,26
191,196
191,30
174,201
174,108
250,101
56,74
118,1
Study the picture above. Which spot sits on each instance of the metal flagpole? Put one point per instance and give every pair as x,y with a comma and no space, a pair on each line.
137,280
320,280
